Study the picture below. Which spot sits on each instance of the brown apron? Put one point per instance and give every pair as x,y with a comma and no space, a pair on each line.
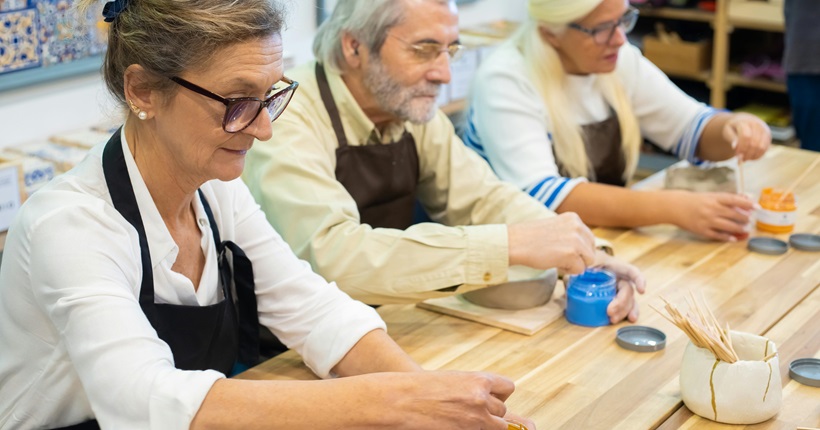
381,178
606,156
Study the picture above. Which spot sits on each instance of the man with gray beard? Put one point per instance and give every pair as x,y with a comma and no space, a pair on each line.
362,141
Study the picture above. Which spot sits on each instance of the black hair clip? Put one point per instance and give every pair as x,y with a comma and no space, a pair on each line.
113,9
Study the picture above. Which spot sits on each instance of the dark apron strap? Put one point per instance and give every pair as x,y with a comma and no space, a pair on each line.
122,195
242,276
88,425
330,105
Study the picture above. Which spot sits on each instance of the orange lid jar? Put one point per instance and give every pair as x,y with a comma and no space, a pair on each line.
776,215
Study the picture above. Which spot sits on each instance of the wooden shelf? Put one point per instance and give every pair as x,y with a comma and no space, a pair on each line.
675,13
721,78
704,76
747,24
735,79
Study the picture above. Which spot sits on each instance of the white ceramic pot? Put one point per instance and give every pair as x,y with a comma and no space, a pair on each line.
748,391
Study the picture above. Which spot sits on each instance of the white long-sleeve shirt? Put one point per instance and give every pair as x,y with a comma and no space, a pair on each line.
509,124
74,342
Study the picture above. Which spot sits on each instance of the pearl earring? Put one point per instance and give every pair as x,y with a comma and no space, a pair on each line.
140,114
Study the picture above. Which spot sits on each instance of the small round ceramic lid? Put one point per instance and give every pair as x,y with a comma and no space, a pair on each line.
768,245
806,371
805,242
640,338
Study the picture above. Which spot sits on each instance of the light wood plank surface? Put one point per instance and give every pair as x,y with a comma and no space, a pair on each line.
571,377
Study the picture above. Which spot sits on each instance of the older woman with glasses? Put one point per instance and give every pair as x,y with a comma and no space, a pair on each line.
562,108
133,284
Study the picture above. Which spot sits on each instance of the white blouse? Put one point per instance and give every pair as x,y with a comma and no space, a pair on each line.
74,342
509,125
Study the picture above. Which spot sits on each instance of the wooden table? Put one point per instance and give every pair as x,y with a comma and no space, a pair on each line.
573,377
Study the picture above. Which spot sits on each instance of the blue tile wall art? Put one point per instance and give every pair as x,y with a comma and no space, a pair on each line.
19,40
39,34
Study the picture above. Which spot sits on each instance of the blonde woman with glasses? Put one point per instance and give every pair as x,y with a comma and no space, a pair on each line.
561,109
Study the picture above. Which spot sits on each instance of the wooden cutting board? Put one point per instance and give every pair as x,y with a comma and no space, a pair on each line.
525,321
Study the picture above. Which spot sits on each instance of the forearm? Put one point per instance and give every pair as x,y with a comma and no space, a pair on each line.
380,266
712,146
331,404
610,206
375,352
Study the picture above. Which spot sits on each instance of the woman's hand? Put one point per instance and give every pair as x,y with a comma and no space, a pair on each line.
718,216
446,400
629,279
749,135
521,421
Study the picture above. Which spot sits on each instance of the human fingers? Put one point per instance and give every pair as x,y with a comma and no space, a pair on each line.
739,201
519,422
575,225
499,386
624,271
719,235
496,407
635,313
574,266
619,308
755,141
581,242
635,277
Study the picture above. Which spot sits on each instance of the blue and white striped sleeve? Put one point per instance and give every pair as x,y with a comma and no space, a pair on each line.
471,138
687,145
552,190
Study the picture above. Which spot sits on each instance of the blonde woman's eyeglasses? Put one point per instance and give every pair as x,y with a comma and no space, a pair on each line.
603,33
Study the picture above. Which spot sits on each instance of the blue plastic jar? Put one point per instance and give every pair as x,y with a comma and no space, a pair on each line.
588,295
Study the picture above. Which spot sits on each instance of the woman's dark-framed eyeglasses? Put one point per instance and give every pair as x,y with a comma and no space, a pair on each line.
603,33
241,112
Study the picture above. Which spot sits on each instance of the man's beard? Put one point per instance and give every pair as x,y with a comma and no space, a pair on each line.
398,100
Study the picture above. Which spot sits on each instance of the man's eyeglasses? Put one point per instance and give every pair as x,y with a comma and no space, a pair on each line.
429,51
603,33
240,112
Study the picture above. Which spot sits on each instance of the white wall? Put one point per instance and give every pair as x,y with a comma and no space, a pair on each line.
37,112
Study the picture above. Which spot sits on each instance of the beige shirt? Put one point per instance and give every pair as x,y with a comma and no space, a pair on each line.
292,177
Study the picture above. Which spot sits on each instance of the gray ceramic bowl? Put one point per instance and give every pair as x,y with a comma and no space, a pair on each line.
516,295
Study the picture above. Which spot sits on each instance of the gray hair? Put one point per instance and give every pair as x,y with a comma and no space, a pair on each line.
366,20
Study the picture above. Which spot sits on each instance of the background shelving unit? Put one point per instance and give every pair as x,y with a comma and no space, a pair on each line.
721,78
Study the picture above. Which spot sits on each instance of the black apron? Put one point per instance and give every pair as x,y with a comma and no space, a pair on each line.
223,336
604,152
381,178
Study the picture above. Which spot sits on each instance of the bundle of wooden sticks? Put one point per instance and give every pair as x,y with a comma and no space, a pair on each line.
702,328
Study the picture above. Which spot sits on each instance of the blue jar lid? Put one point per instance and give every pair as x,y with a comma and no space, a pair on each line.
594,282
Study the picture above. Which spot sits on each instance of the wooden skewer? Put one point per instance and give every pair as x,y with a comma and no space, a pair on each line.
741,181
702,328
797,181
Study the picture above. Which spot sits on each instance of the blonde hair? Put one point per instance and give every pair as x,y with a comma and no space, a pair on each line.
167,37
549,77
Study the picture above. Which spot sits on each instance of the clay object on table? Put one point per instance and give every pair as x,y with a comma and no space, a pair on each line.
711,179
523,294
748,391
